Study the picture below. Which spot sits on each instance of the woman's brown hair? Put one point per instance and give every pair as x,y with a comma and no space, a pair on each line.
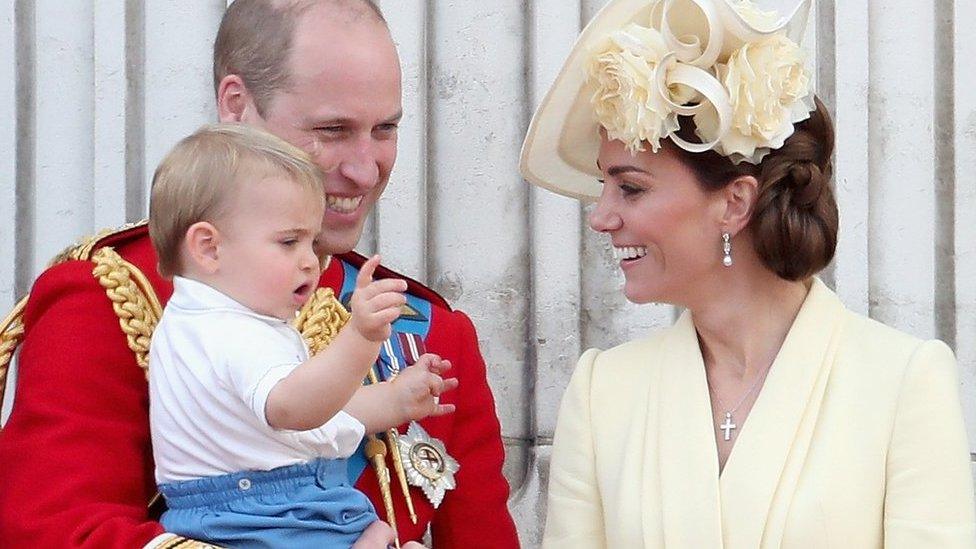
794,222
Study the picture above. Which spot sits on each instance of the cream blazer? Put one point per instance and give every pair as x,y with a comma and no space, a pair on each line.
856,441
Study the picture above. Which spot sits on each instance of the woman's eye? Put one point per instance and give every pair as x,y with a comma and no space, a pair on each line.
630,190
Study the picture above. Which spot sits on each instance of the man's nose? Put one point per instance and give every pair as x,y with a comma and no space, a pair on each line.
360,166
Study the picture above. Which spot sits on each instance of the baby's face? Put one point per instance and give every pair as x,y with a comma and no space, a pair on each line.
266,257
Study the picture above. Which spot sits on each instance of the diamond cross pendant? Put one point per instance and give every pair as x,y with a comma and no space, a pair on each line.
728,425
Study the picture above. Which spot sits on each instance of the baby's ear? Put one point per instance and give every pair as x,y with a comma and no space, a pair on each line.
201,245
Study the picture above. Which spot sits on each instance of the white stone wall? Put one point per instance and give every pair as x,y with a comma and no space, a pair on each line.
92,94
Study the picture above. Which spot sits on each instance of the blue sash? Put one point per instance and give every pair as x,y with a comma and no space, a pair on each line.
405,345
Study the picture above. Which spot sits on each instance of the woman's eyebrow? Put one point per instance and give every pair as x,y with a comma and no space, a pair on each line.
618,170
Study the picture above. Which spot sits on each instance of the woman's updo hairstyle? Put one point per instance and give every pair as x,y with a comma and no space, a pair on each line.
794,222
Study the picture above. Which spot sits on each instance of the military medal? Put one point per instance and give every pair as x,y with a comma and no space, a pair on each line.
427,463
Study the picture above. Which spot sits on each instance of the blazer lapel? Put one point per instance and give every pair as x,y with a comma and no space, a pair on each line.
688,472
780,425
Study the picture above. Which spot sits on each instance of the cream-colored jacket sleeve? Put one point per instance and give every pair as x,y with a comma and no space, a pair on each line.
575,515
929,486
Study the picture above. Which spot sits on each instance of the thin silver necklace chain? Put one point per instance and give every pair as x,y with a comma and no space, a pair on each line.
755,384
728,426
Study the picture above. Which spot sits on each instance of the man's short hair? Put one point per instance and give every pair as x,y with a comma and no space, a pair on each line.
195,180
255,40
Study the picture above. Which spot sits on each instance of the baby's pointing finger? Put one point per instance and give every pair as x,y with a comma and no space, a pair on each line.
365,275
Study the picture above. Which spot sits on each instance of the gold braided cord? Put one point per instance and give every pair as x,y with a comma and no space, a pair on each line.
320,319
11,332
133,300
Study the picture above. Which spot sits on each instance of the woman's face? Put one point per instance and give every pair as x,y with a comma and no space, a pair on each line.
665,228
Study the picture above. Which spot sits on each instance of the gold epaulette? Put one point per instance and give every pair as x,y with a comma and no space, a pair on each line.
12,327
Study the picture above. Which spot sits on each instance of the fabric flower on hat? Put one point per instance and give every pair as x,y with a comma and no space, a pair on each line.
769,89
626,100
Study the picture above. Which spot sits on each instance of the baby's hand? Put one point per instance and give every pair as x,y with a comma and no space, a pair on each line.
418,387
376,303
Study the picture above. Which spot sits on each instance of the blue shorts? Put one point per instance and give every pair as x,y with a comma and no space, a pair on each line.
305,505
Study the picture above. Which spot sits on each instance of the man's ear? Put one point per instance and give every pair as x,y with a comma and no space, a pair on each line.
202,245
234,101
740,201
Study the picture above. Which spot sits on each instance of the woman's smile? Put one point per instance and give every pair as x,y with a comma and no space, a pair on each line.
629,255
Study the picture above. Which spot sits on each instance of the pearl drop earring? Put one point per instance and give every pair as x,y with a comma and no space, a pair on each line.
727,249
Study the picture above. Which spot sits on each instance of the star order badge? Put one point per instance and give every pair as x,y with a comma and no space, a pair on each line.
427,464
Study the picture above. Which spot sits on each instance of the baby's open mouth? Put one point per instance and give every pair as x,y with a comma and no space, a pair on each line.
302,292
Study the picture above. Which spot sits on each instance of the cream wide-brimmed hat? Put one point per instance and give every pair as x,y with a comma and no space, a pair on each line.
639,65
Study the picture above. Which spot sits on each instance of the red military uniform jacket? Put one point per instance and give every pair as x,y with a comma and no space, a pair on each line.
75,459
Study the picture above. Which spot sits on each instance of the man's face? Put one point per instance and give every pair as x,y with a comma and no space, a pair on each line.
343,108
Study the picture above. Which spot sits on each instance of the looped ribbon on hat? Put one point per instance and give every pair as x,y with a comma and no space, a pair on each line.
691,52
670,72
688,61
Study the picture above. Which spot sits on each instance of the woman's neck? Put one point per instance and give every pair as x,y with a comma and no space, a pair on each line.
742,325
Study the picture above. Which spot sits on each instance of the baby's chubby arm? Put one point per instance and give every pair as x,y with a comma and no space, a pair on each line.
321,386
412,395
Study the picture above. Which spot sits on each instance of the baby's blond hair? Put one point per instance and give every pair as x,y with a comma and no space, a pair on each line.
194,181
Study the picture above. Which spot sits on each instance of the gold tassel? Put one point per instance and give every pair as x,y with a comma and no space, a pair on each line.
394,437
376,452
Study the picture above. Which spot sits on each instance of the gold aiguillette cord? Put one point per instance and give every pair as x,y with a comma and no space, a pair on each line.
376,452
393,437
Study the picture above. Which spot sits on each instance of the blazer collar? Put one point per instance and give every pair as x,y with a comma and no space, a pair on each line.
699,508
688,476
780,425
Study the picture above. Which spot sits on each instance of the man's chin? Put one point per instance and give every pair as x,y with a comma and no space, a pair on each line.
340,241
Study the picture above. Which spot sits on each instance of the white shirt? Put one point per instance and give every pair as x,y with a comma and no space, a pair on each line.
212,364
